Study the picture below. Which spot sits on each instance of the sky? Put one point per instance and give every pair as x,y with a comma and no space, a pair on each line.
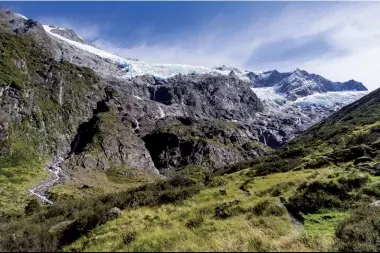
338,40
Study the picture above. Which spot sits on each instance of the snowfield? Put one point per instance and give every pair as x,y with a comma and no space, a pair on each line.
276,103
134,68
331,100
20,16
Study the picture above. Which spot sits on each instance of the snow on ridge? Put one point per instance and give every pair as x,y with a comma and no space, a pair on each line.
330,99
134,68
333,99
20,16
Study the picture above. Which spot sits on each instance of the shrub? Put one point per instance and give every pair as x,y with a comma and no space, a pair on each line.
129,237
360,232
372,190
279,189
266,208
226,210
311,197
32,207
364,138
195,221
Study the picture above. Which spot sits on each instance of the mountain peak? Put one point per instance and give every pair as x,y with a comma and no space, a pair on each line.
70,34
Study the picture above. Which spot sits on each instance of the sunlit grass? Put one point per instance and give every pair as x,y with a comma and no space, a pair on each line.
165,227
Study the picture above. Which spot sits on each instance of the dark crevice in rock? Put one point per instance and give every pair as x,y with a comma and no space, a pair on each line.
157,143
185,121
87,130
161,94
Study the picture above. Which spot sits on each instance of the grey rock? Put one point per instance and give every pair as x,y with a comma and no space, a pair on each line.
375,203
113,213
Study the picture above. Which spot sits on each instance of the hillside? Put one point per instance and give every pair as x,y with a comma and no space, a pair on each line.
292,200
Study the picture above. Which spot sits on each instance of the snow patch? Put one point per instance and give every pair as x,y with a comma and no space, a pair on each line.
20,16
277,103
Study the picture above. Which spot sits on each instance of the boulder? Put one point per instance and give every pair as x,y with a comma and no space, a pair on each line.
113,213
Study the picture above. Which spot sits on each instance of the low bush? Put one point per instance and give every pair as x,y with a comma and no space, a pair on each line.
267,208
360,232
129,237
336,193
195,222
364,138
86,215
226,210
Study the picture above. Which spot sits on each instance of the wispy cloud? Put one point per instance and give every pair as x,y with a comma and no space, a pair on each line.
340,41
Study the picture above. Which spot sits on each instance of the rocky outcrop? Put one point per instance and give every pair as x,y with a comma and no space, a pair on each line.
107,141
211,143
69,34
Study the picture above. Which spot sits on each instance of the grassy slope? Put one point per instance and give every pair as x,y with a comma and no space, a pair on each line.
192,225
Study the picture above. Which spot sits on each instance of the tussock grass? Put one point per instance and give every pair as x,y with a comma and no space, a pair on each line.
166,227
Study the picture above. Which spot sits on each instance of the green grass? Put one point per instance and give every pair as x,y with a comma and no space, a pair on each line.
321,226
14,182
100,183
166,227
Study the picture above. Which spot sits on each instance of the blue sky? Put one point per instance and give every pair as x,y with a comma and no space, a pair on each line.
339,40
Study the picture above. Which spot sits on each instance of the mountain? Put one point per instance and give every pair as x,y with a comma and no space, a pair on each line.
300,83
317,193
94,111
301,98
89,134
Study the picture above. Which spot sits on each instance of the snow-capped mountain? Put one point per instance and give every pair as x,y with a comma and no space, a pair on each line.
301,98
128,68
292,101
300,83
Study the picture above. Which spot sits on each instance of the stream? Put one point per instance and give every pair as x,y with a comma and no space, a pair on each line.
40,191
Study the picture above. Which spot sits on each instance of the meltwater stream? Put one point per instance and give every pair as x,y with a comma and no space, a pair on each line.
55,171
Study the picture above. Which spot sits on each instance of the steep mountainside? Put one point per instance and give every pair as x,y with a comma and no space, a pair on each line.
102,129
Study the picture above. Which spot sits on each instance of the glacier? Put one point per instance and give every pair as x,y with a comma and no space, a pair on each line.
139,68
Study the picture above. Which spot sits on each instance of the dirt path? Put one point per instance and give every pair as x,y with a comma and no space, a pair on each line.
55,176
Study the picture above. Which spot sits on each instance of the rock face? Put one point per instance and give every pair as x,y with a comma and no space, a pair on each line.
181,120
108,141
69,34
211,143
